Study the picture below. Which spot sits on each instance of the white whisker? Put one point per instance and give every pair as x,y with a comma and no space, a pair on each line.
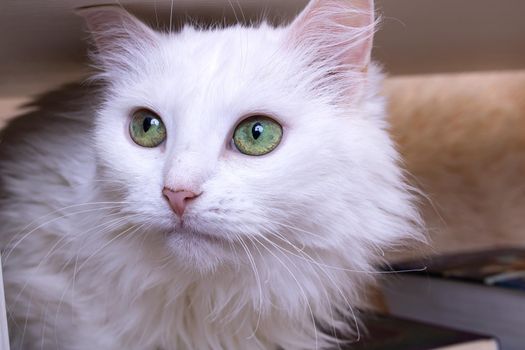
301,289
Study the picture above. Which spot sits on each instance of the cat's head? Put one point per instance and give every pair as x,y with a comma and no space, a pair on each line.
235,139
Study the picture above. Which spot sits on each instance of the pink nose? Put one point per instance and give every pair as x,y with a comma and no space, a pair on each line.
178,199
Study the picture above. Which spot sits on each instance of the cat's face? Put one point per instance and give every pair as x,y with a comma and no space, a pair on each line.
329,180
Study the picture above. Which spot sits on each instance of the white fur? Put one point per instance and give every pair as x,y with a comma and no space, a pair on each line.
91,259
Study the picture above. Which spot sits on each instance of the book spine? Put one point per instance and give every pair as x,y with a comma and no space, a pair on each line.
4,334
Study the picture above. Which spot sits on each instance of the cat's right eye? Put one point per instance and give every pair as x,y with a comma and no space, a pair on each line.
146,128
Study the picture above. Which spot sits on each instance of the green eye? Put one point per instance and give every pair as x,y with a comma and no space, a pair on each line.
147,129
257,135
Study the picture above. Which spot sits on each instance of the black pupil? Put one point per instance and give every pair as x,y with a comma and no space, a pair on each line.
148,123
257,130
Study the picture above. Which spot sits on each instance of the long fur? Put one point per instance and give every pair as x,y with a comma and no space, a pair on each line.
91,257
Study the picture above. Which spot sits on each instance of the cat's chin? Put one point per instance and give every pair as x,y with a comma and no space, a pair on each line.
198,250
183,233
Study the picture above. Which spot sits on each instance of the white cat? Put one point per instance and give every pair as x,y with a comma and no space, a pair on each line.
220,189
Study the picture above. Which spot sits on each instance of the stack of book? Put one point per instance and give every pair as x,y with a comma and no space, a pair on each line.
481,292
394,333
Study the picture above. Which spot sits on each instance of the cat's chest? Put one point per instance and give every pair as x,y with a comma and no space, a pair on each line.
162,319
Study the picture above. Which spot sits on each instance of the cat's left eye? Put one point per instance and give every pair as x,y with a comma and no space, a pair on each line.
257,135
147,129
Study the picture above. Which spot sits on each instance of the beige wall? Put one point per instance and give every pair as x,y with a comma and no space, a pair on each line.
41,42
9,107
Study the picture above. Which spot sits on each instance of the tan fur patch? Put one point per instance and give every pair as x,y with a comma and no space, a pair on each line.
463,140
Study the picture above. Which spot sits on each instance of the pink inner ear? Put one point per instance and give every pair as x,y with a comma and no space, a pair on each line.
113,28
338,30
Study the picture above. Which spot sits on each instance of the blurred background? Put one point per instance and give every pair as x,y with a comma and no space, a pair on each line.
42,46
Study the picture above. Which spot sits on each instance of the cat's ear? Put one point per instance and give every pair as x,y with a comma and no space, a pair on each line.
115,32
338,31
